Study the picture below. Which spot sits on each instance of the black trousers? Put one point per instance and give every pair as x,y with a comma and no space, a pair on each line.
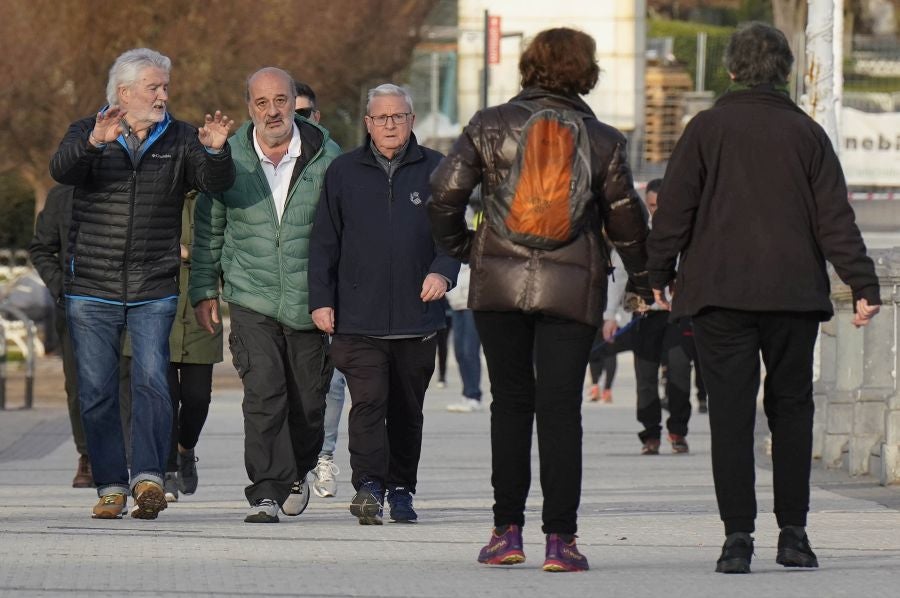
602,359
190,386
729,343
285,373
70,375
649,336
387,379
536,366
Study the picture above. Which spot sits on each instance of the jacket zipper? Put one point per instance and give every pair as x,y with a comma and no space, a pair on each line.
390,250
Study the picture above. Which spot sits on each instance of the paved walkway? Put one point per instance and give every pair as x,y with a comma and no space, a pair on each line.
648,524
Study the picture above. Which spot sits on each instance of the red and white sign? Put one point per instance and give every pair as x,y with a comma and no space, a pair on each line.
493,39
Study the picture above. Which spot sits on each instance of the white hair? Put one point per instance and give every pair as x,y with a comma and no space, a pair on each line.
389,89
127,68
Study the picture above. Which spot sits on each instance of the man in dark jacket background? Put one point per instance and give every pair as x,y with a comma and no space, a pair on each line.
375,278
754,203
131,166
48,254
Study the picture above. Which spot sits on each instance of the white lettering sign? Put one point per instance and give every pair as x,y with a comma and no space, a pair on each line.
870,147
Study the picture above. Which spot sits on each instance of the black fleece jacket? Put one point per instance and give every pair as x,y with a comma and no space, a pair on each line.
754,201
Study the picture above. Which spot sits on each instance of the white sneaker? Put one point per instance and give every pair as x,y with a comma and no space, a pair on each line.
325,486
298,498
465,406
264,510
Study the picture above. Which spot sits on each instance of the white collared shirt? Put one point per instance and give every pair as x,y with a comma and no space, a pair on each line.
279,177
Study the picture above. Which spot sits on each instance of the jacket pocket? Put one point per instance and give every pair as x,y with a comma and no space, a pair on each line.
240,356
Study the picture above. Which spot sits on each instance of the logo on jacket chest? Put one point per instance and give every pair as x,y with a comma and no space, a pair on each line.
415,199
161,156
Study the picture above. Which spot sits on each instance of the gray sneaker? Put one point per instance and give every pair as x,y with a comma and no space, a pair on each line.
325,486
170,486
298,499
264,510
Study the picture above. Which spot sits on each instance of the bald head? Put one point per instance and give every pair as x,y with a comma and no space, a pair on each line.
270,103
271,71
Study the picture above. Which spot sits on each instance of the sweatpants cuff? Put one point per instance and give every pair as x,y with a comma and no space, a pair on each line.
739,524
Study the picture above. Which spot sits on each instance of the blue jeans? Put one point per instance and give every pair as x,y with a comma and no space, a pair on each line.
334,405
467,348
96,329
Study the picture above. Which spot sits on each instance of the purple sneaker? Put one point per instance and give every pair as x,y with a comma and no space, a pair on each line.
505,549
562,556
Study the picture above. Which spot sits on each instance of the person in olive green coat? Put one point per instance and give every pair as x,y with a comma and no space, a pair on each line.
193,351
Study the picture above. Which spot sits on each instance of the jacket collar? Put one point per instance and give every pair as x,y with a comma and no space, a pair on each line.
551,98
365,155
766,94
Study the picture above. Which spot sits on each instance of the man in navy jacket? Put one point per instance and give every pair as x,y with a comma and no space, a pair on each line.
375,278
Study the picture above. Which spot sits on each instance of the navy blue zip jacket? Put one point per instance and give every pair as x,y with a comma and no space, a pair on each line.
123,244
372,246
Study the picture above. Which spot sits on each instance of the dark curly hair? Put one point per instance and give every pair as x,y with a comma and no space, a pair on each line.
758,53
561,60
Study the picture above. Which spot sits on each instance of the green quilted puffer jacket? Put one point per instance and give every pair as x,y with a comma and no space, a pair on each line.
262,262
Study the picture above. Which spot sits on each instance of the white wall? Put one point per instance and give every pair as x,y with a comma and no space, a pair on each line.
617,25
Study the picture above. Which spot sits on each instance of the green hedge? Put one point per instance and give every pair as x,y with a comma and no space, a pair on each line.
684,46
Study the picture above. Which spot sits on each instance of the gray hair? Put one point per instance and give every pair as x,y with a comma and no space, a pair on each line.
389,89
758,53
273,70
127,68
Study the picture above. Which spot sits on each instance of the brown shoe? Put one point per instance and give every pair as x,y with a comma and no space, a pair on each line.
679,443
83,476
651,447
149,499
110,506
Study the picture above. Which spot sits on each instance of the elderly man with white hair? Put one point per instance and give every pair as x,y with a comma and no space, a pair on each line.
375,278
131,165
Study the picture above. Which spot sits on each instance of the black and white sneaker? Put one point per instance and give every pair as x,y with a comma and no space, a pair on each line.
264,510
297,500
368,504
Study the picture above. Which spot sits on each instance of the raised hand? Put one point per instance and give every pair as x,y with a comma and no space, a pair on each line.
214,131
107,126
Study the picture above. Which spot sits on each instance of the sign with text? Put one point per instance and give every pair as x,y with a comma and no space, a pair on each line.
870,147
493,39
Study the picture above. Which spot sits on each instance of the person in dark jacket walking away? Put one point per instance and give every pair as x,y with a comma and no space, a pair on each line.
255,236
48,254
754,202
537,309
131,166
376,280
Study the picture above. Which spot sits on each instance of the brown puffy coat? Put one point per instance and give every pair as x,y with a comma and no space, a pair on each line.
568,282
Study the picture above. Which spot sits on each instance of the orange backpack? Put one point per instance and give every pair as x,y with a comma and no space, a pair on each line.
542,202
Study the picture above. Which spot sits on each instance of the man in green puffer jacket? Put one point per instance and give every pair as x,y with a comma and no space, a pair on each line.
255,237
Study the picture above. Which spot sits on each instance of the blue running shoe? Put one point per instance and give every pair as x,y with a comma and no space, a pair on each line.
401,501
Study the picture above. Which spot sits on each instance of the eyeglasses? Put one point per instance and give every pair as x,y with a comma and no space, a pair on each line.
305,112
398,119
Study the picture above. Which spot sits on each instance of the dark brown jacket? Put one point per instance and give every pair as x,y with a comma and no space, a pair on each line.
754,202
569,282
